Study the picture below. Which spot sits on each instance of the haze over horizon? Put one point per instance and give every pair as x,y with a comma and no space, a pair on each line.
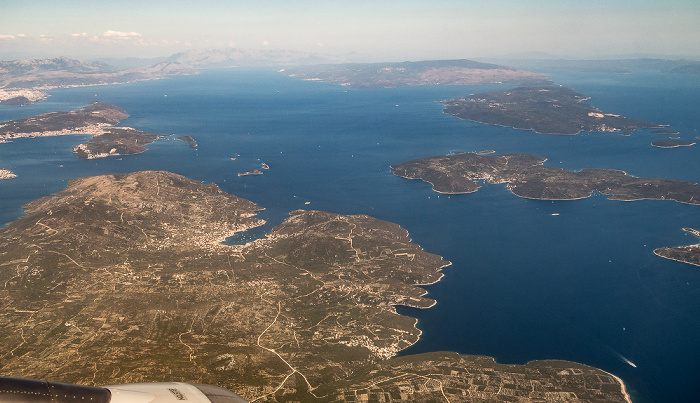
360,30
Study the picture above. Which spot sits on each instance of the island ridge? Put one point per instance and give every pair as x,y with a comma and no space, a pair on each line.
543,109
525,176
432,72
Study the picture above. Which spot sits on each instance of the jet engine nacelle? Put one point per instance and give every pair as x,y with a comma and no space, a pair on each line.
18,390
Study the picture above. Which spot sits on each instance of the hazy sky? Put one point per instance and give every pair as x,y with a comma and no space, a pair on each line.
386,30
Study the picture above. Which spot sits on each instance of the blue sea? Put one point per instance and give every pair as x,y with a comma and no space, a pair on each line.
529,280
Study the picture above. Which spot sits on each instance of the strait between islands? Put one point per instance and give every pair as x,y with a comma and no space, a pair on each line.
537,104
525,176
123,278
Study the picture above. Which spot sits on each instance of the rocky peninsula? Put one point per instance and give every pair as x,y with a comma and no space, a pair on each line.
525,176
188,139
123,278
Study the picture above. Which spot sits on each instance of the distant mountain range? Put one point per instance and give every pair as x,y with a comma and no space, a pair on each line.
24,81
622,66
221,58
65,72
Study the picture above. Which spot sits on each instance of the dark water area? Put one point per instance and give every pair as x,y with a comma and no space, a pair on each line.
529,280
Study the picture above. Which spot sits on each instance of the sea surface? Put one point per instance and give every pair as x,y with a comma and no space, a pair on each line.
529,280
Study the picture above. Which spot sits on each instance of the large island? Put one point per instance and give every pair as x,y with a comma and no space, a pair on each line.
123,278
97,119
434,72
525,176
544,109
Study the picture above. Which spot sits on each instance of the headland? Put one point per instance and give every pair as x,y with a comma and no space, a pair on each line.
188,139
687,254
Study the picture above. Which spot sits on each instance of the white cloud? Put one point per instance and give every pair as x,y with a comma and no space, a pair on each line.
80,35
6,37
130,38
121,35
